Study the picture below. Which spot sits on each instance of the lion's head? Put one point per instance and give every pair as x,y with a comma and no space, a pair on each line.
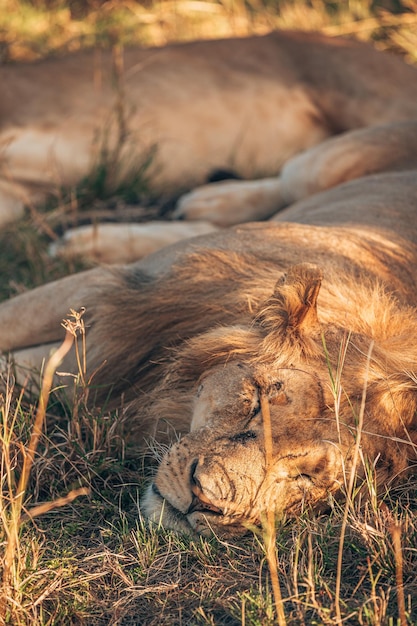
220,477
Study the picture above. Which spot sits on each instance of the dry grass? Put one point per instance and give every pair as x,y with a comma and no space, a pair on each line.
92,560
96,562
33,28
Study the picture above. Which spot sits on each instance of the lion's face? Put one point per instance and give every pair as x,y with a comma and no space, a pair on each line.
217,478
229,471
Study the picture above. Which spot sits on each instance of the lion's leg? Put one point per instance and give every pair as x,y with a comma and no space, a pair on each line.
35,317
332,162
29,363
232,202
349,156
13,198
11,206
124,243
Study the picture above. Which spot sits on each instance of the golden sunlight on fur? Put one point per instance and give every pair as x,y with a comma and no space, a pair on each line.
192,336
313,311
177,113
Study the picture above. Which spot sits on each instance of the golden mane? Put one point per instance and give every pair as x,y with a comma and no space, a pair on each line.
369,315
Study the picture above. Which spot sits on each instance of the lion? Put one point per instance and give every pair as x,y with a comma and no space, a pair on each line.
180,112
310,317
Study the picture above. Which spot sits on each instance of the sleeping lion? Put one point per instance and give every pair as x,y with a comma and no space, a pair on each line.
310,316
175,114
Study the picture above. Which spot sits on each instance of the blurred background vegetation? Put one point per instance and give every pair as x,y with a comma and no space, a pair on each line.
30,29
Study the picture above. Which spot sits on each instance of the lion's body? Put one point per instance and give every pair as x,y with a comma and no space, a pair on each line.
242,104
200,315
312,314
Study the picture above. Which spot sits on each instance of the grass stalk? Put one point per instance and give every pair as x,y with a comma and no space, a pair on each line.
270,535
351,484
395,531
14,520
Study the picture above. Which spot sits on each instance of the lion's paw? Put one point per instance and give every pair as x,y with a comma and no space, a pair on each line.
124,243
230,202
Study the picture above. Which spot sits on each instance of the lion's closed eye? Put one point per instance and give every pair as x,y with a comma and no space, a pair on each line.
244,437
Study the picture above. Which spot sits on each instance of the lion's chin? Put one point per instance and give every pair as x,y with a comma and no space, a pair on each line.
159,511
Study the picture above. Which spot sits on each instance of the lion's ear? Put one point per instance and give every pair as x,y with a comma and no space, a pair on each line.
292,308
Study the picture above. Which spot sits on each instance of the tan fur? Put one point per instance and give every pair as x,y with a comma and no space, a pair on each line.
336,160
314,311
192,336
243,104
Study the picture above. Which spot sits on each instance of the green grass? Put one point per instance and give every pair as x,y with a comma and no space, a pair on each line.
94,561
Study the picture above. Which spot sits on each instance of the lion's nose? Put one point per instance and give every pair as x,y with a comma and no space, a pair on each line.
200,501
